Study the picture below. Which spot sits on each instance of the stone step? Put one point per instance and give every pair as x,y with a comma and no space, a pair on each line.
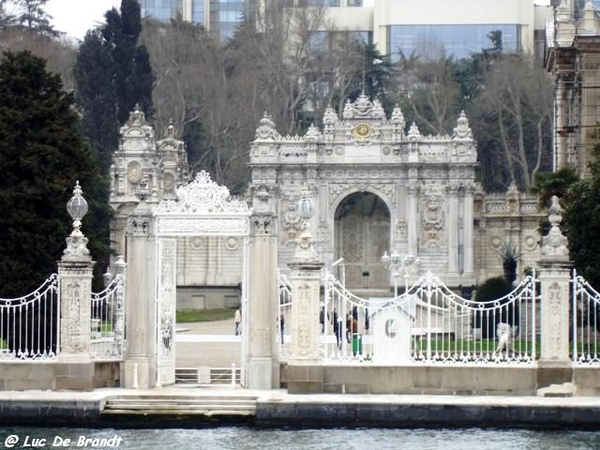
217,375
165,404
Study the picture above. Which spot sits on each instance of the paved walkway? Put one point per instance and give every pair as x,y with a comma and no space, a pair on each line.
211,344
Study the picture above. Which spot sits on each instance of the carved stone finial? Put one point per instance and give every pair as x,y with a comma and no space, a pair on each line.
397,117
329,117
171,129
312,134
347,114
378,111
266,128
555,245
462,130
362,105
137,117
413,133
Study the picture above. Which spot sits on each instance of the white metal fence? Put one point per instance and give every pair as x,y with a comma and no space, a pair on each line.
428,324
585,323
29,325
107,321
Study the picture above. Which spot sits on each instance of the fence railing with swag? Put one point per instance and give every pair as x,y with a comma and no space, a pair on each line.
428,324
585,322
30,325
108,320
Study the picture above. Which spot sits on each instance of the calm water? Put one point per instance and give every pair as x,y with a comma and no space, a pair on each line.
339,439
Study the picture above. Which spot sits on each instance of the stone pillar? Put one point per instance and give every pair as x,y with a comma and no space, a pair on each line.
554,366
75,277
140,362
261,311
561,121
305,331
412,215
468,231
452,230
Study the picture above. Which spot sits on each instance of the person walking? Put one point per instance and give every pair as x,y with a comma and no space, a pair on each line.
237,319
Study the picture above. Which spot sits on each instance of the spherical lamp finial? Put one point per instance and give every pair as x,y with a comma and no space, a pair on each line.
77,207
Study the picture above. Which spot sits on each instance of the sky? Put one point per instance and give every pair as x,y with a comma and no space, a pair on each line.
75,17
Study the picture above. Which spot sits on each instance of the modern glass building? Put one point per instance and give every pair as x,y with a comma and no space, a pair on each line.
458,40
427,27
220,17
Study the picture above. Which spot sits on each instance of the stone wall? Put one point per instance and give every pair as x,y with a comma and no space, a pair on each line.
52,375
427,380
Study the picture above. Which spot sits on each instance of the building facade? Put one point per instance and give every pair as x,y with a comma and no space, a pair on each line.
219,17
573,57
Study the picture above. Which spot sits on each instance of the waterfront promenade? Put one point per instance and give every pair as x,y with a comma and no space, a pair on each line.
210,406
195,405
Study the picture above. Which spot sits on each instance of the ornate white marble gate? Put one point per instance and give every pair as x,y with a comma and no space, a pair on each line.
423,184
202,208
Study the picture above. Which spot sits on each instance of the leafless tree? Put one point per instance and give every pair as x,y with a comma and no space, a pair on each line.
428,92
518,98
58,52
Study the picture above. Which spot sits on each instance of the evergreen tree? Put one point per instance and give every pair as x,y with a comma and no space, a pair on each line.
112,75
374,79
96,97
42,154
32,17
581,222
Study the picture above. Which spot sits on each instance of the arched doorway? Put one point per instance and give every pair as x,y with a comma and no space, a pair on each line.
362,234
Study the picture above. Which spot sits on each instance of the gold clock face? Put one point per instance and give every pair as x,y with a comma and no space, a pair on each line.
362,131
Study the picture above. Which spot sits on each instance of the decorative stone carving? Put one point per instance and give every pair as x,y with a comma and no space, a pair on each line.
266,129
413,133
398,118
432,219
203,196
555,244
134,172
462,130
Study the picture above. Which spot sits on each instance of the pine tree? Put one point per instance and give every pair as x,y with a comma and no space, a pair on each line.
34,18
42,154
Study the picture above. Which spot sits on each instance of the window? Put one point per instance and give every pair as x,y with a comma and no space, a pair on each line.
445,40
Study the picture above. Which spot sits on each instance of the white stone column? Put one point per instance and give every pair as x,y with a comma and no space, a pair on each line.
412,215
561,122
261,311
140,308
468,231
452,230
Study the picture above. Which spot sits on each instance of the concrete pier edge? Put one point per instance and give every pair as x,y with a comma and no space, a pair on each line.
279,409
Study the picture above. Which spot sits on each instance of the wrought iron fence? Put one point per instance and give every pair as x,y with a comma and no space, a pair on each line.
29,325
430,324
107,321
585,322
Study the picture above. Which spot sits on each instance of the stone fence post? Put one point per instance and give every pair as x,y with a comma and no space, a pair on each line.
554,366
75,281
306,283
